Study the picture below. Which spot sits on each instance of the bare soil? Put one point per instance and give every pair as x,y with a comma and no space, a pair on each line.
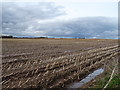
52,63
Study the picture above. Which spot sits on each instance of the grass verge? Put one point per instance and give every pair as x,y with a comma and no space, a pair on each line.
115,82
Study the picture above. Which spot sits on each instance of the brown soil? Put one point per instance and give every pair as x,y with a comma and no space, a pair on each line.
52,63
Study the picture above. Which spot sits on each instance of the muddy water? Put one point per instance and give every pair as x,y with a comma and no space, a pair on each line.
86,79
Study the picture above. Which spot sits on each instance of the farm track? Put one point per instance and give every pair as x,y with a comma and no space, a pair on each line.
59,70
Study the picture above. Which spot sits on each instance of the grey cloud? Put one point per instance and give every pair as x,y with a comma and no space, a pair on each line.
30,10
88,27
20,19
17,17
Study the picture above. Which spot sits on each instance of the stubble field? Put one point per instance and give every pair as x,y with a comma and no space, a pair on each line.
52,63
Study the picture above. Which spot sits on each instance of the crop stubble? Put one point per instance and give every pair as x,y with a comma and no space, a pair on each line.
51,63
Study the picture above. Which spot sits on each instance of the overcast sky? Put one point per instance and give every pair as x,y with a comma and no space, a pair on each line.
60,19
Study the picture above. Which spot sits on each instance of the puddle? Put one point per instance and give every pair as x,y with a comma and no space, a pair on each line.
86,79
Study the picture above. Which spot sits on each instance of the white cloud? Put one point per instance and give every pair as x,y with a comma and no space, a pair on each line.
18,17
48,19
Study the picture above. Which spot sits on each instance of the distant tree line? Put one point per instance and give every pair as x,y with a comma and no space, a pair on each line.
6,36
79,37
10,36
31,37
41,37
